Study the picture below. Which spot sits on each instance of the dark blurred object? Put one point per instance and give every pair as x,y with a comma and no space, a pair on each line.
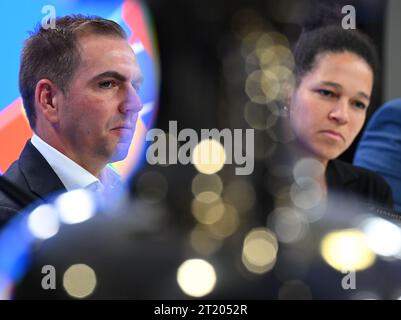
380,147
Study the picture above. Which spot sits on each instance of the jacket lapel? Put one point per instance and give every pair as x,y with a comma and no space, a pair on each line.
39,175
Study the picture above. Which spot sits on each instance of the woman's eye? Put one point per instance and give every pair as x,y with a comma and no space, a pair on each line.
360,105
326,93
107,84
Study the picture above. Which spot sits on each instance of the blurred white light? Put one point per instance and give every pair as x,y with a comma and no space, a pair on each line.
306,193
288,224
43,222
196,277
308,168
384,237
75,206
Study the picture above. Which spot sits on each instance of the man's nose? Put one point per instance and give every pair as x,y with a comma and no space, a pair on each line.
132,102
340,112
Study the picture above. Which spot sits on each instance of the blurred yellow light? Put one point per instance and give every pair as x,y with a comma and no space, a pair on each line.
207,188
347,250
279,38
196,277
276,55
203,242
257,115
253,87
79,281
209,156
208,213
207,196
264,42
270,85
227,224
249,42
260,250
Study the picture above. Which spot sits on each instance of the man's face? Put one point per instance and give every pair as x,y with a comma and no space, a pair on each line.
99,112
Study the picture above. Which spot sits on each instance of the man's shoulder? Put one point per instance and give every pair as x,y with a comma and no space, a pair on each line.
8,207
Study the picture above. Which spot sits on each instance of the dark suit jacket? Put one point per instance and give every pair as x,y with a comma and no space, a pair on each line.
33,175
357,183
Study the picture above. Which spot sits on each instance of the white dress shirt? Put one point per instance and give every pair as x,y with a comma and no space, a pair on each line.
71,174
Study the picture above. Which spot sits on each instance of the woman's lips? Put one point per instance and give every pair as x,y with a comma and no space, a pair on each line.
333,135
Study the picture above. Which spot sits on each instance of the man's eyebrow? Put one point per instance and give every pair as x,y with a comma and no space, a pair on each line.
118,76
111,74
338,86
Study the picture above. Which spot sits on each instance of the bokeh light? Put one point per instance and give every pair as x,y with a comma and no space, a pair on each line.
196,277
207,188
384,237
209,156
75,206
79,281
259,250
43,222
288,224
347,250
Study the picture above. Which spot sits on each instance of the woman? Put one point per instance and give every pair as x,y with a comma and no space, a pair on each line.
334,78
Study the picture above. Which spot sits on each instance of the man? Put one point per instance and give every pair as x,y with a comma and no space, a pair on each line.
379,149
79,84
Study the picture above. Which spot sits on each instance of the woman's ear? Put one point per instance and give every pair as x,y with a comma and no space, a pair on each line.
46,100
287,94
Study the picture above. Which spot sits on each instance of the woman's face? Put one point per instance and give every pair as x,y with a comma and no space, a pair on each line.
328,108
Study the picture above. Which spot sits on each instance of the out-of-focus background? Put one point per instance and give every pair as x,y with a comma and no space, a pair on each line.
200,233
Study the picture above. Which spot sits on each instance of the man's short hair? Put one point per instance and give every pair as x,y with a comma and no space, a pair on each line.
53,54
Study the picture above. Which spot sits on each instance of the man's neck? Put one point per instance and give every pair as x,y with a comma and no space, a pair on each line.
91,164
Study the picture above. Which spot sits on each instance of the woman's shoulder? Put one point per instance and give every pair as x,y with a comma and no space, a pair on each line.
350,173
363,182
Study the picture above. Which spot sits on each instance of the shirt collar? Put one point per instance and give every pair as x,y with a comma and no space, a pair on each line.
71,174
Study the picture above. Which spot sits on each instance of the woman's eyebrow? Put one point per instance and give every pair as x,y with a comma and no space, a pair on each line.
339,87
332,84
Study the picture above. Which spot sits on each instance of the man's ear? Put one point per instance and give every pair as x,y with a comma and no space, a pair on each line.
47,98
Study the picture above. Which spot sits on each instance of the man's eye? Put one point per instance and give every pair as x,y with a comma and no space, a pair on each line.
137,87
326,93
107,84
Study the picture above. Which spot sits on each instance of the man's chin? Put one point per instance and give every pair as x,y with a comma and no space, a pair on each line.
121,152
